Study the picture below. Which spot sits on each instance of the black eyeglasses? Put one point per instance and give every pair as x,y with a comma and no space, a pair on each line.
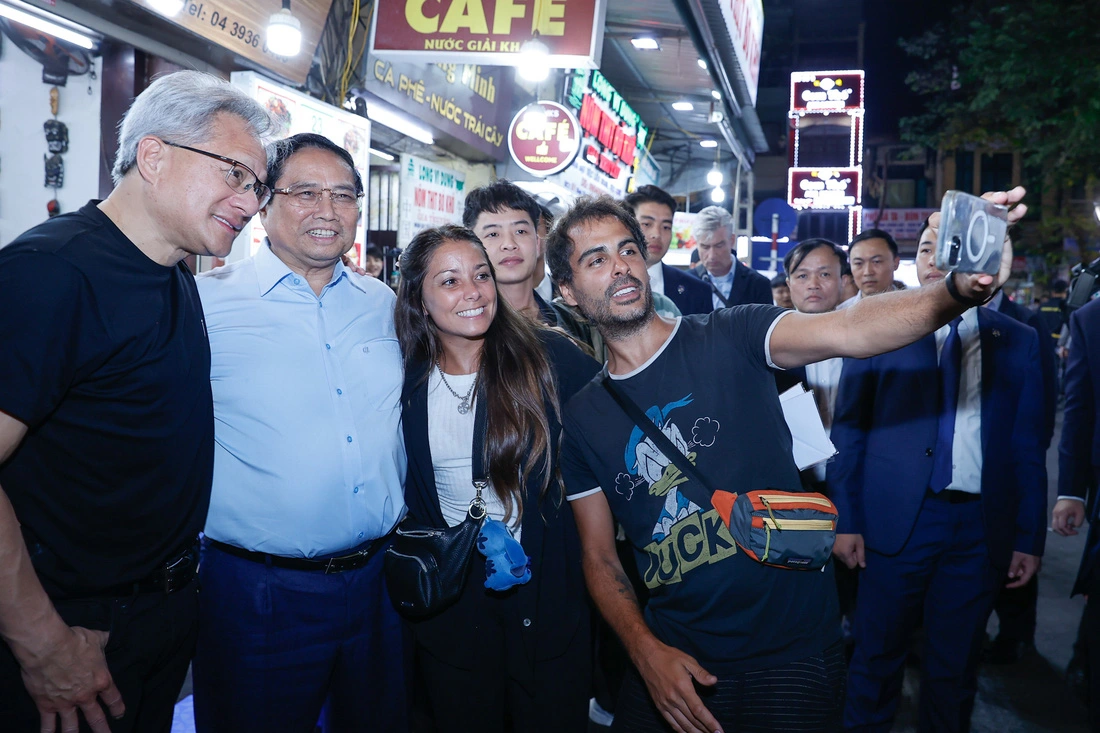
239,177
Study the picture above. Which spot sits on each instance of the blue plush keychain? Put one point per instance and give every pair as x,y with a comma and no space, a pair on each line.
506,563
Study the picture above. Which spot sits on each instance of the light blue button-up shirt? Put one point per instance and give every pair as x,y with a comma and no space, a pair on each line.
309,457
724,285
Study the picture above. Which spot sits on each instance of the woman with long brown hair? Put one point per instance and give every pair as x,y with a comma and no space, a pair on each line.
517,660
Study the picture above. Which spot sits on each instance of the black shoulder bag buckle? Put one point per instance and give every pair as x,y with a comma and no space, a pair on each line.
426,567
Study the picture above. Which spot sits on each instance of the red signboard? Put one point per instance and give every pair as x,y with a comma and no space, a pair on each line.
824,188
826,91
489,31
544,138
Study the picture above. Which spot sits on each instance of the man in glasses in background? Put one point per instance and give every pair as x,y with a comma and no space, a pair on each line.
309,470
106,417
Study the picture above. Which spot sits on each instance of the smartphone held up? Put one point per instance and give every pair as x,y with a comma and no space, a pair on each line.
972,234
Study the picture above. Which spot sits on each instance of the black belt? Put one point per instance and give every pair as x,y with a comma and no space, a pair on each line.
955,496
328,565
175,573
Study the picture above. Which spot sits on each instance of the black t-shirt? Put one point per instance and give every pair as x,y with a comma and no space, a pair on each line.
711,392
104,357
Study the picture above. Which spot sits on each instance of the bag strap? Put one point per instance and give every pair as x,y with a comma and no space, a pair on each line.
659,439
705,277
477,462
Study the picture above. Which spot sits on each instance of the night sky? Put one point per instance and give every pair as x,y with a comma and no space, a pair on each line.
886,63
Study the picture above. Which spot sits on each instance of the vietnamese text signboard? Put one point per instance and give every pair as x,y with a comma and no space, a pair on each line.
745,24
469,102
902,224
489,32
241,27
826,91
431,195
544,138
824,188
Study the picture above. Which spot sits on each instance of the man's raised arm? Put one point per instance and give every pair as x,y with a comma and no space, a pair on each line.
889,321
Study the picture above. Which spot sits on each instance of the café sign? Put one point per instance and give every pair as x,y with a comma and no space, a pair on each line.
826,91
824,188
489,32
544,138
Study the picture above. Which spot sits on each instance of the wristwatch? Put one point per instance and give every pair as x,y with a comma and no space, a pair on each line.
953,291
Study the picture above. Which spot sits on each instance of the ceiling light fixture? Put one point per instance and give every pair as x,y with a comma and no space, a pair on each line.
284,32
399,123
380,154
714,93
708,143
646,43
714,176
534,60
717,195
683,106
56,30
702,64
167,8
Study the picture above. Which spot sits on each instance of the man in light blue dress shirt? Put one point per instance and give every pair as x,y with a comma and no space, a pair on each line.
308,473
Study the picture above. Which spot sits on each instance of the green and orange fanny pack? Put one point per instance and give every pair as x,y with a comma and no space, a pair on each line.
785,529
795,530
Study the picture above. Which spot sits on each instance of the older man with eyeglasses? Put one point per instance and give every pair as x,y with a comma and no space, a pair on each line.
309,470
106,417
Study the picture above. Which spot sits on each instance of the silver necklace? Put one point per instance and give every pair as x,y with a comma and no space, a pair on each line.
464,401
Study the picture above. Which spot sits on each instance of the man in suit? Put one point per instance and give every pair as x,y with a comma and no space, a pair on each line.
731,282
936,516
654,208
874,257
1078,467
1016,607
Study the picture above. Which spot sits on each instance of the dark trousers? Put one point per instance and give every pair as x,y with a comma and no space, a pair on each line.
498,689
1089,633
943,575
805,696
277,646
1016,608
152,638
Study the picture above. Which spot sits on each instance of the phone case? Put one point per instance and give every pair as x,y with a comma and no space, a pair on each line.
972,234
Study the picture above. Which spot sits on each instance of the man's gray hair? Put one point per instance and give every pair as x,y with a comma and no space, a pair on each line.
181,107
710,220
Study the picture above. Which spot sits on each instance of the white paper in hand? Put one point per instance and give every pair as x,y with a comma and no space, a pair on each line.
811,443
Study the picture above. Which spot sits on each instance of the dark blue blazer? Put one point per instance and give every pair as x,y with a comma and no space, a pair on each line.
885,430
749,286
1079,451
689,293
555,600
1048,363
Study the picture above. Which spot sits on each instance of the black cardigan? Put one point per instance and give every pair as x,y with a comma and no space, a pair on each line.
553,606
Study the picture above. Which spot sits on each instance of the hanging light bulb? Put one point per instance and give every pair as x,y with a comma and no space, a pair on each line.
167,8
533,65
714,176
284,32
717,195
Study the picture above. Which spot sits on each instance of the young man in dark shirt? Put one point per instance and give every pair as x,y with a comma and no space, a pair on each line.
760,637
106,419
504,217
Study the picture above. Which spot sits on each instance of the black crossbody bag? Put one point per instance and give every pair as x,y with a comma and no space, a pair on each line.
794,530
426,567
